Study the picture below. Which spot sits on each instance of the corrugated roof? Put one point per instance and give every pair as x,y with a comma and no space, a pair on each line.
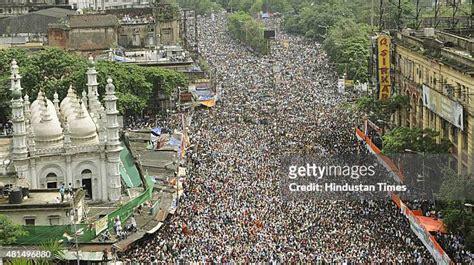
92,21
55,12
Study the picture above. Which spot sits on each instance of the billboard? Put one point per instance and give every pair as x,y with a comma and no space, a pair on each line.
383,66
443,106
340,85
269,34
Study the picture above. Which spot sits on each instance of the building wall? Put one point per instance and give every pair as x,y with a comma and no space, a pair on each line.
58,37
69,169
168,32
92,38
415,70
12,10
136,35
41,216
29,23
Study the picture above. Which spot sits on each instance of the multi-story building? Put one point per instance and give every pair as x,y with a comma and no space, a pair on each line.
75,140
436,70
19,7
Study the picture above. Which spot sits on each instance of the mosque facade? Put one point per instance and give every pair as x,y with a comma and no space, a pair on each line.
72,141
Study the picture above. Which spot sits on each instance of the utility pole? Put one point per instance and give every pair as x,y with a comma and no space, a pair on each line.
398,19
381,16
74,220
372,16
195,31
185,38
455,6
436,14
418,12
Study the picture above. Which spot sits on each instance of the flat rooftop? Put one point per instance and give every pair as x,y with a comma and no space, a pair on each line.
42,199
452,48
154,162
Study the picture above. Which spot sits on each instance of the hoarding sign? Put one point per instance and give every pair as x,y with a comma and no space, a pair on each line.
383,62
443,106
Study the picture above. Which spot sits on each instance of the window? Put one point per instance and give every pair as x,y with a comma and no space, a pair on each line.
54,220
51,175
29,221
52,185
464,141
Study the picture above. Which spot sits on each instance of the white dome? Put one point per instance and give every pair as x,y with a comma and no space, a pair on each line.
81,126
45,122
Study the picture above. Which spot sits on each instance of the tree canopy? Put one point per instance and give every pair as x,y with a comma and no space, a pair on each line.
419,140
455,191
248,30
381,109
53,70
9,231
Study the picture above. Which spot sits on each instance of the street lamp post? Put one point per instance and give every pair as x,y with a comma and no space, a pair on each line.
423,177
74,219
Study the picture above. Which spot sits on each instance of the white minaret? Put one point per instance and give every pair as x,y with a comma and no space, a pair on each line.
18,118
67,136
113,143
56,103
20,151
92,93
31,135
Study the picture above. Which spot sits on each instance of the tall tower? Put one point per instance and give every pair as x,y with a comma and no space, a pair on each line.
113,143
93,104
20,151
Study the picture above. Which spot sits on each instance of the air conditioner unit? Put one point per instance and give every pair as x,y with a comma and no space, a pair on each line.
428,32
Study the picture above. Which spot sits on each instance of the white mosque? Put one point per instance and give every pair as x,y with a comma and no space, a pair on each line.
72,141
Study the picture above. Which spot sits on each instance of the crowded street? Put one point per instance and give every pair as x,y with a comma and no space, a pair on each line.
271,107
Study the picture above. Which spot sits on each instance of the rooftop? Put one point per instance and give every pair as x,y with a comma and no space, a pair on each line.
450,48
92,21
159,162
36,199
55,12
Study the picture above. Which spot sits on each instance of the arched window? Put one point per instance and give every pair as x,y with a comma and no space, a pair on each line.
51,175
51,181
86,171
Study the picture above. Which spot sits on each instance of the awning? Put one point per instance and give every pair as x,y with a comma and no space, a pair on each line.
154,229
128,169
431,224
156,131
208,103
85,256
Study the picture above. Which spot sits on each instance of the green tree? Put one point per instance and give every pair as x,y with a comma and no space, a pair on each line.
348,43
381,110
454,192
55,248
54,70
314,20
9,232
202,7
416,139
245,28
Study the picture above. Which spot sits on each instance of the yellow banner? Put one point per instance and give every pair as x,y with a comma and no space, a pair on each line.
383,45
209,103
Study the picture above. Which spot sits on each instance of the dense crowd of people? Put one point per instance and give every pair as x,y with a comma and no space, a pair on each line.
454,247
281,105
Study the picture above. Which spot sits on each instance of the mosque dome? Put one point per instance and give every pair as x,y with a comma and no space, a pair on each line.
81,126
45,122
